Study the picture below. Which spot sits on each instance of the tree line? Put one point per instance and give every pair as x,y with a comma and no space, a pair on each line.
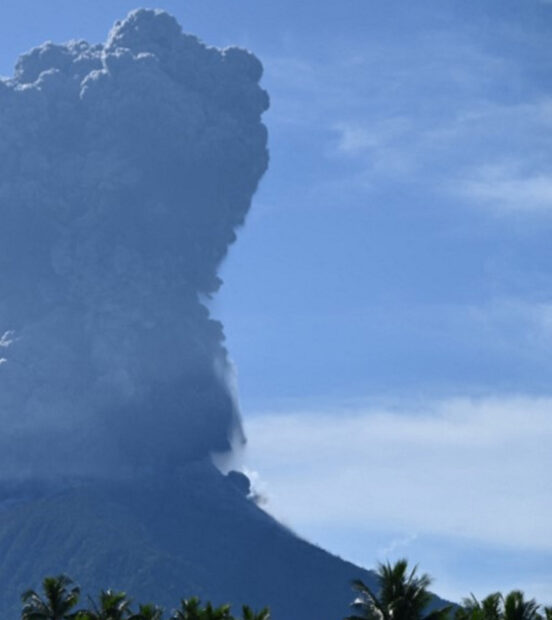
61,596
401,594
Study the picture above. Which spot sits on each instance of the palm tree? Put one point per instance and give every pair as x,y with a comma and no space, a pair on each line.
112,606
402,595
490,608
147,612
60,597
497,607
249,614
216,613
517,608
191,609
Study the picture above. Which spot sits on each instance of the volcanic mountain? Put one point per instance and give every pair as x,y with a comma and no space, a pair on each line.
163,538
126,169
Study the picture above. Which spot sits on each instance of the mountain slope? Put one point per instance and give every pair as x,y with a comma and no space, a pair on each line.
161,539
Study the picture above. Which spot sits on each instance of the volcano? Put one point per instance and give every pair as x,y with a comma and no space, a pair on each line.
126,170
160,539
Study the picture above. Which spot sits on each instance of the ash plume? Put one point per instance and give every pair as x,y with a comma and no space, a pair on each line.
125,170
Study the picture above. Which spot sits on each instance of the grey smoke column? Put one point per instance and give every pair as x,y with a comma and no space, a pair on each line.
125,169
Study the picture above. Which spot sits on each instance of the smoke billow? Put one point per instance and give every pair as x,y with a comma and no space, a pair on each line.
125,169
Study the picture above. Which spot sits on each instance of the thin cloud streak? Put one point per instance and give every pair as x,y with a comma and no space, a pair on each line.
474,469
505,189
443,122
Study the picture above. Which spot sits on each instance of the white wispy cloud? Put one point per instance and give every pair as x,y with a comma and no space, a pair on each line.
478,469
491,154
438,120
505,188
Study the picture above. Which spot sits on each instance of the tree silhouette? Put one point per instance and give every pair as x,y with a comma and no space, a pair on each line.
60,597
191,609
490,608
249,614
111,606
497,607
402,595
149,611
517,608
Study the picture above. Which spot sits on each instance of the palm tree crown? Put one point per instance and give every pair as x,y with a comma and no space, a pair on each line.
147,612
513,606
191,609
249,614
60,597
111,606
402,595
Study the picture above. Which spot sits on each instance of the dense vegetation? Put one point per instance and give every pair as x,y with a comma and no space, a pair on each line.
61,597
402,595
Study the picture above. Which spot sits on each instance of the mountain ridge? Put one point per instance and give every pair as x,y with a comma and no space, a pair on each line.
162,538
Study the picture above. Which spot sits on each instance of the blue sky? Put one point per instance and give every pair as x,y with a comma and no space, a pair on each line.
388,305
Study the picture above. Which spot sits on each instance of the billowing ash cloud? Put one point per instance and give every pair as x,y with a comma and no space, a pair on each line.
125,169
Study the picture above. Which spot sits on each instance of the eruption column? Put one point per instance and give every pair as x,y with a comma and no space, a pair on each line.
125,170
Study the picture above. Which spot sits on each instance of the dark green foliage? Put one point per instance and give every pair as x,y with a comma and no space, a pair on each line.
401,595
249,614
513,606
517,608
147,612
191,609
487,609
111,606
60,597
